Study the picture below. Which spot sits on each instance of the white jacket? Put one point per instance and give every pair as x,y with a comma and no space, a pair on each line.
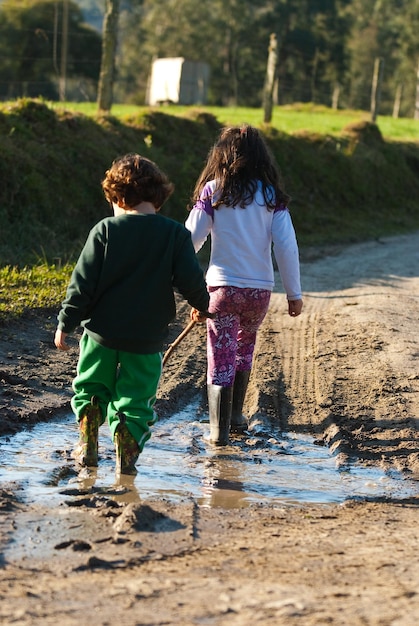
241,243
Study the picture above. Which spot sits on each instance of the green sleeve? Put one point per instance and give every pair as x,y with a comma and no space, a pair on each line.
188,276
81,291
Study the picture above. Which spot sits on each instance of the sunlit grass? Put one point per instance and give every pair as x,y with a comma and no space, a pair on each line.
40,286
289,119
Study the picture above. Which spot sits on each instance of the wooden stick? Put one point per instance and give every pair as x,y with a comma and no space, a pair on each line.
178,340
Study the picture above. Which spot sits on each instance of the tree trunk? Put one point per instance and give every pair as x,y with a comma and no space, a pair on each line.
64,54
417,96
270,79
109,43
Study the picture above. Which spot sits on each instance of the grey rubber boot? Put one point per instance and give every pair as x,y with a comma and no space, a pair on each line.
220,401
238,420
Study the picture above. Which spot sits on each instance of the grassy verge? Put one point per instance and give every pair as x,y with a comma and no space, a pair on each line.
289,119
349,180
38,287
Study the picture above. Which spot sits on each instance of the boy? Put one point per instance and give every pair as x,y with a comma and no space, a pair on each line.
121,292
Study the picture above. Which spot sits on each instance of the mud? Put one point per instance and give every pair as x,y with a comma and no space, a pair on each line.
346,371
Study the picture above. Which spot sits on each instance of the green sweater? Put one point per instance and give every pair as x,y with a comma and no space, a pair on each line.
122,287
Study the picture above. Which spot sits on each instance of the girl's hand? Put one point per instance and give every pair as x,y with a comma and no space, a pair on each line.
199,316
60,340
295,307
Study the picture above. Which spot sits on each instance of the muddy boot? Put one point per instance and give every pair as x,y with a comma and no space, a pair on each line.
86,452
238,421
219,406
127,450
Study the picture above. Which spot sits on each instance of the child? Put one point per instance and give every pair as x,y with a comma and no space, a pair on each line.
238,200
121,292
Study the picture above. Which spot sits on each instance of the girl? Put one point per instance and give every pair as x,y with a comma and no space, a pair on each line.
239,202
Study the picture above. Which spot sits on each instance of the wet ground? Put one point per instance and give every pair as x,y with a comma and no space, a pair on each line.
311,519
262,466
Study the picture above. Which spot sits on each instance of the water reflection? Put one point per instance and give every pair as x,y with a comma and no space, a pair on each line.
222,485
179,463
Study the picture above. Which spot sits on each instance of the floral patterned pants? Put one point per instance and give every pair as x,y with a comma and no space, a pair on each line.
231,335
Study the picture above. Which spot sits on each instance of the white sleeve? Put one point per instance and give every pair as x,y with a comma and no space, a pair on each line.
199,224
286,253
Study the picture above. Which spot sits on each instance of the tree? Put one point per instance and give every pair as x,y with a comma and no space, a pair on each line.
324,46
225,34
30,49
133,61
387,30
312,36
270,79
109,43
407,24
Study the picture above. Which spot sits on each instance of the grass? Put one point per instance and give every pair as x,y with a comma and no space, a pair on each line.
288,119
38,287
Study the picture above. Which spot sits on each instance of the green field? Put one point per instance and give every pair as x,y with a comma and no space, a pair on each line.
287,119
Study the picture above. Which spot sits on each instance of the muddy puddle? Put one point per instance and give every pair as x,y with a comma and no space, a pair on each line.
178,463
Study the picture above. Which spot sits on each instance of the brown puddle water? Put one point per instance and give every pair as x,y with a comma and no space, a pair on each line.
178,463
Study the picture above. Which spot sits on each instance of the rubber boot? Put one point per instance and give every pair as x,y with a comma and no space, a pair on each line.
127,449
238,420
86,452
219,406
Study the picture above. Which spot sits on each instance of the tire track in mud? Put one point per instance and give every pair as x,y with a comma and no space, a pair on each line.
331,377
346,369
305,364
307,376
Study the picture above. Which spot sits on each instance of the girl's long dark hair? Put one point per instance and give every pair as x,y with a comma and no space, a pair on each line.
238,160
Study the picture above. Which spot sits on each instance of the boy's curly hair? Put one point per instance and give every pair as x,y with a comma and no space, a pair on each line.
133,179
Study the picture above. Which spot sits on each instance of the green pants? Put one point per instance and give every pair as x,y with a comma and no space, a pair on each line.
121,381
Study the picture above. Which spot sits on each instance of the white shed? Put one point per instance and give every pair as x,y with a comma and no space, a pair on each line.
179,81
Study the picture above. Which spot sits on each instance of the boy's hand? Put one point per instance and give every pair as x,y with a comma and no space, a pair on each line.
295,307
60,340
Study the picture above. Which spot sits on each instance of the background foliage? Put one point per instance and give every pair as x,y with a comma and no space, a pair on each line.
326,48
30,50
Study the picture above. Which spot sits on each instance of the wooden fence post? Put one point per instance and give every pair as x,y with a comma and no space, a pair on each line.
335,96
270,79
376,87
397,100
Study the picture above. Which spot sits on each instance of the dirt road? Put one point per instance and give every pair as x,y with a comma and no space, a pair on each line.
346,371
